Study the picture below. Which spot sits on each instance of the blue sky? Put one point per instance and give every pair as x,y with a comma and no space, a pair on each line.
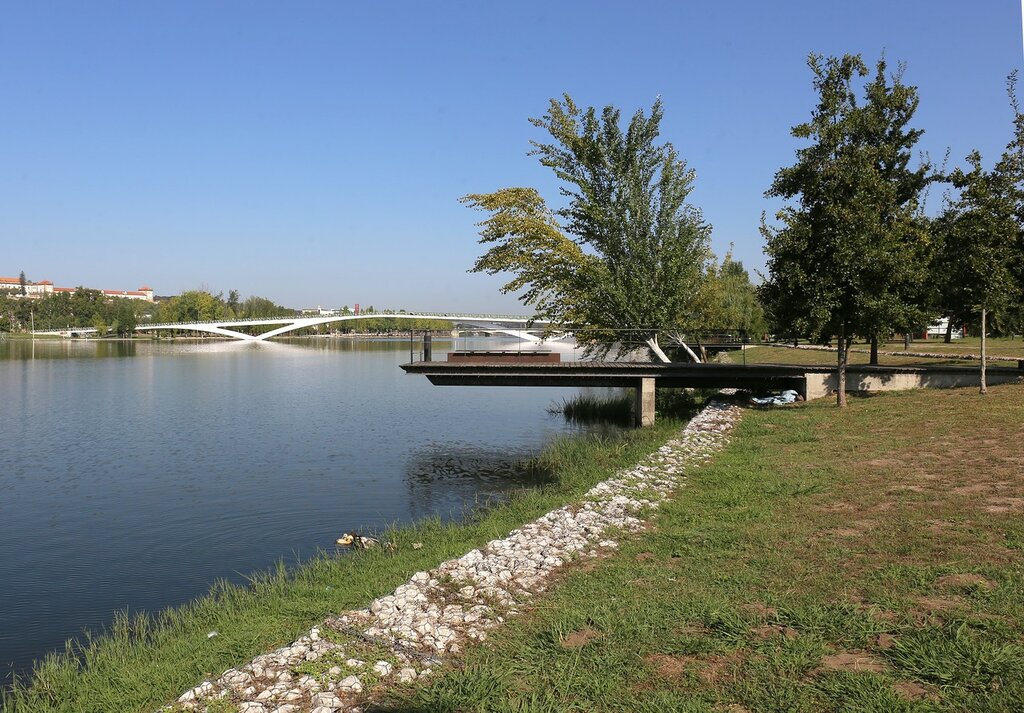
314,152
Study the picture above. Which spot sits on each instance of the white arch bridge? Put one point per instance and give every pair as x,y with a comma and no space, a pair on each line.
514,325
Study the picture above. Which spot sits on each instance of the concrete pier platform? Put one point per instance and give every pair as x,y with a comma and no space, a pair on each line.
811,382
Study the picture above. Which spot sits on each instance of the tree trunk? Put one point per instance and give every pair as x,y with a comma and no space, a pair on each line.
652,342
984,387
874,351
841,354
906,341
949,331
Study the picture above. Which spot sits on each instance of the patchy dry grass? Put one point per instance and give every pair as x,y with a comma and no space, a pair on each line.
999,346
860,560
859,353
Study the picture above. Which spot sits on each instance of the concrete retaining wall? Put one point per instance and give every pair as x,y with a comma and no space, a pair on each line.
859,380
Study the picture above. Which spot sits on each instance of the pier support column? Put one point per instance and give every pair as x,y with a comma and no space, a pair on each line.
643,403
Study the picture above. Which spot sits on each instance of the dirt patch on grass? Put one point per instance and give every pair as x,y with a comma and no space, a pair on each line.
718,668
579,639
855,661
1004,505
845,532
670,667
960,582
884,641
712,669
914,691
760,610
976,488
887,463
837,507
769,631
927,606
644,556
905,489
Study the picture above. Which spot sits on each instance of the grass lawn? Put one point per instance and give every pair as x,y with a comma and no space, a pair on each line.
868,559
784,355
1000,346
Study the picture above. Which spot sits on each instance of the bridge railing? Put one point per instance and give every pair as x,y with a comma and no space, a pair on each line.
442,316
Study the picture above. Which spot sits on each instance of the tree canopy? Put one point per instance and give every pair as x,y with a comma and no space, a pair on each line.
625,259
849,257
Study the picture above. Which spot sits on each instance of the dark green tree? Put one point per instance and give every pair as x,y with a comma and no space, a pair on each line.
627,257
23,283
734,306
980,238
849,257
124,318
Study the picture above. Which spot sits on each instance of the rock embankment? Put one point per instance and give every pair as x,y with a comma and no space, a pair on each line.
406,634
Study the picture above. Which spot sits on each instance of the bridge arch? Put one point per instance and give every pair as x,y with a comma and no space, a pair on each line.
512,325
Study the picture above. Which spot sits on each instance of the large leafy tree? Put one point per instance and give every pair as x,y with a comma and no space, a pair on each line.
733,302
849,256
980,238
625,260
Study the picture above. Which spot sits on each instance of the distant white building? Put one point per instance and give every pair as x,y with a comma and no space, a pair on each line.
35,290
938,329
319,312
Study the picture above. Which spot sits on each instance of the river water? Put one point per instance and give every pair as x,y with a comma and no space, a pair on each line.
134,474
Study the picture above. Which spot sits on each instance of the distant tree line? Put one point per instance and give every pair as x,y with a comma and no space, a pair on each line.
81,308
119,316
383,324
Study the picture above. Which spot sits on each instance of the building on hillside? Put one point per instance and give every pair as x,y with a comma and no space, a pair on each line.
35,290
32,289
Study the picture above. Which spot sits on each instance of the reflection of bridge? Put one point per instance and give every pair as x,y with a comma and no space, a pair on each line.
513,325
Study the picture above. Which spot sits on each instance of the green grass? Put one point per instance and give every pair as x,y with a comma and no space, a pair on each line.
995,346
587,408
1000,347
618,407
889,533
785,355
143,662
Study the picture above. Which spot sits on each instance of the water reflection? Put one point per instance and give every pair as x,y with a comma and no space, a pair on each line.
445,478
135,473
23,349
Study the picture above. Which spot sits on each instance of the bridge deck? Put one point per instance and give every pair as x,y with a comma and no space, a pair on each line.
596,373
809,381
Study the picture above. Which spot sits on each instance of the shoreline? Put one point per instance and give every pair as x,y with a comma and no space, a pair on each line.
25,336
167,651
427,620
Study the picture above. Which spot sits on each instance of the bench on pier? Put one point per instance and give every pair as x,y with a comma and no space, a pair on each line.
504,356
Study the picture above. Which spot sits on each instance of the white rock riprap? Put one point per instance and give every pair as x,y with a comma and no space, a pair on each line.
400,637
